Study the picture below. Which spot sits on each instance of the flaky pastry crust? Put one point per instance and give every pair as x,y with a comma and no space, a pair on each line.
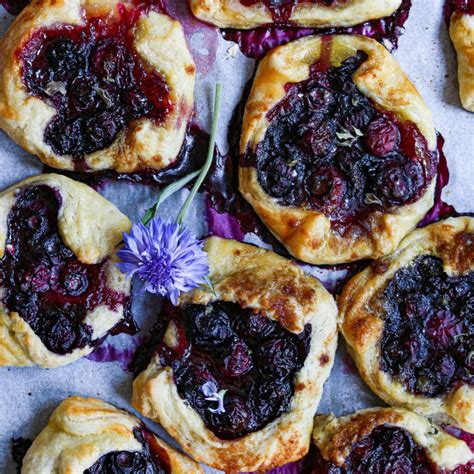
261,280
360,313
335,437
82,430
461,30
234,14
91,227
159,41
306,233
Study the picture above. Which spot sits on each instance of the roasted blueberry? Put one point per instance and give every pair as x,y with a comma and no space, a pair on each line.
210,326
237,371
385,449
428,335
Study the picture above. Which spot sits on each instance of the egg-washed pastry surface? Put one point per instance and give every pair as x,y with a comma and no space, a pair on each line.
246,14
461,30
89,436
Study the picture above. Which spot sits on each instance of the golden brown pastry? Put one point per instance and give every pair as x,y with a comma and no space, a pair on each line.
249,356
384,440
407,320
253,13
61,291
89,436
338,149
96,85
461,30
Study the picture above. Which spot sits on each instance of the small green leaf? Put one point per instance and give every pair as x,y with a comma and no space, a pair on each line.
165,193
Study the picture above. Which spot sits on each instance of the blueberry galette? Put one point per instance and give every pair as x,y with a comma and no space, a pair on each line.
409,322
95,85
338,149
89,436
385,440
237,371
314,13
461,29
61,292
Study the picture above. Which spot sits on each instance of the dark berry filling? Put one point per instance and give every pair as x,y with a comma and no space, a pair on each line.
223,346
281,10
14,6
428,335
146,461
385,450
43,281
329,148
460,7
94,79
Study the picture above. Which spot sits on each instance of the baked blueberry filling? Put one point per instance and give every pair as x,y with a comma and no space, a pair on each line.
240,357
43,281
95,80
146,461
428,335
281,10
386,450
330,148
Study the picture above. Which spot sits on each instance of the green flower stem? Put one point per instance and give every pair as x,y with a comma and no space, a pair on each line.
210,156
166,193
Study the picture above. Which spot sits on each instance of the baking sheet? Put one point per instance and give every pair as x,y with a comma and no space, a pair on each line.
28,395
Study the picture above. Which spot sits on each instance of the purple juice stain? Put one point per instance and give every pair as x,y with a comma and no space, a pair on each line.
123,354
257,42
440,209
468,438
18,450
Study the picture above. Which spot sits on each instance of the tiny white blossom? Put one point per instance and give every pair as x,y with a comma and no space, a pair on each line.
209,389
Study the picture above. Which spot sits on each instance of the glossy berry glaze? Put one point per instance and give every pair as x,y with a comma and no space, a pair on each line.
43,281
94,79
150,460
386,450
428,332
257,42
281,10
252,357
329,148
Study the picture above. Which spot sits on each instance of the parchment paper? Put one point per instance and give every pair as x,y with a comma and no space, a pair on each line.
28,395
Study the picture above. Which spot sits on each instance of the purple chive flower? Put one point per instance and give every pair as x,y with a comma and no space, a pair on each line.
165,256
